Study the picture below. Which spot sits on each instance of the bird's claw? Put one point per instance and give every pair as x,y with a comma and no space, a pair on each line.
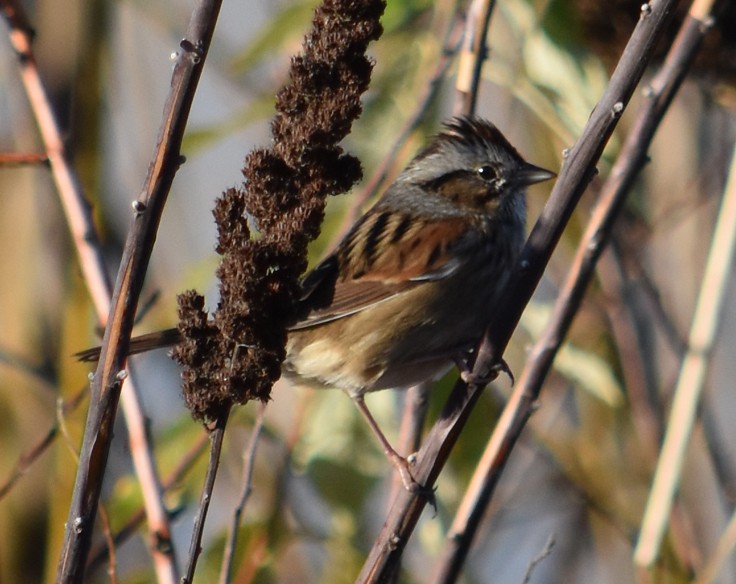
470,377
402,465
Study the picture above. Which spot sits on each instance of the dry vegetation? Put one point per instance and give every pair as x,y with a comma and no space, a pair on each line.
571,501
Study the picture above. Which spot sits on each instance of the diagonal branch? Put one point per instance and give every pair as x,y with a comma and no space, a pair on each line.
249,461
147,213
87,244
576,173
217,435
26,460
691,378
264,226
99,553
632,159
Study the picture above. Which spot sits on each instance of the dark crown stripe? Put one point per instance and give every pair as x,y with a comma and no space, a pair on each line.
441,180
477,132
471,132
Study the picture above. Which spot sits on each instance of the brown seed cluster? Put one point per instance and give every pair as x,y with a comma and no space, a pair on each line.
265,226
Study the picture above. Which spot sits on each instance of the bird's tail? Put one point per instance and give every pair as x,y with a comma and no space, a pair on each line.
140,344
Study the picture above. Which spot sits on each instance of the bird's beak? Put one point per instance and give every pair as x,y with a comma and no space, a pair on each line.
530,175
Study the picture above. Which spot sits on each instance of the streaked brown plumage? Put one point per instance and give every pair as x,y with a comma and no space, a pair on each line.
411,288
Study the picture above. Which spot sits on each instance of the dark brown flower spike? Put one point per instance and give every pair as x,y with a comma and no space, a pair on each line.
237,356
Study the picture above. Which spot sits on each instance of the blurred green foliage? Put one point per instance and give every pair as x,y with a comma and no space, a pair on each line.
583,467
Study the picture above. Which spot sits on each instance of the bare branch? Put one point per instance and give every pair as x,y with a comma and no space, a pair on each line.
185,464
472,56
543,555
26,460
691,379
22,159
110,371
249,461
89,250
416,405
630,162
111,553
579,168
217,435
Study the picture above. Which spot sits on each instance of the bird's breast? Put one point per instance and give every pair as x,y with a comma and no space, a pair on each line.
411,337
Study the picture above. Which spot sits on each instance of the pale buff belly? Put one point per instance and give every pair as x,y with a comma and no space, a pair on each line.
413,337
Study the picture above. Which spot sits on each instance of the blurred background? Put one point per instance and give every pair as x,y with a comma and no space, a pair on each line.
581,473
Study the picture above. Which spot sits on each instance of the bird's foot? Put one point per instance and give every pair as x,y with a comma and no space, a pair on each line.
403,467
469,377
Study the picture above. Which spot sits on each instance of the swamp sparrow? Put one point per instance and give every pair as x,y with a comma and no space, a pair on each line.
411,288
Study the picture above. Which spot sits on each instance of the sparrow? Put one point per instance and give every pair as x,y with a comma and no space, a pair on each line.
411,288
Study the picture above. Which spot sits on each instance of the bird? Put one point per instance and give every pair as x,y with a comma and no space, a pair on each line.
409,291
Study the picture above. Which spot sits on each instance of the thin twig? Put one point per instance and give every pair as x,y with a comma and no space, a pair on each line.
38,376
217,435
636,271
543,555
637,373
87,244
249,460
577,172
281,501
111,554
23,159
64,431
183,466
472,56
632,159
26,460
691,379
77,209
723,552
110,373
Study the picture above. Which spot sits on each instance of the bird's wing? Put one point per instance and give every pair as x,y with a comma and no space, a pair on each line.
384,255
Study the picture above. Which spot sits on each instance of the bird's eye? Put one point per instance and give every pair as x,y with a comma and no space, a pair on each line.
487,172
